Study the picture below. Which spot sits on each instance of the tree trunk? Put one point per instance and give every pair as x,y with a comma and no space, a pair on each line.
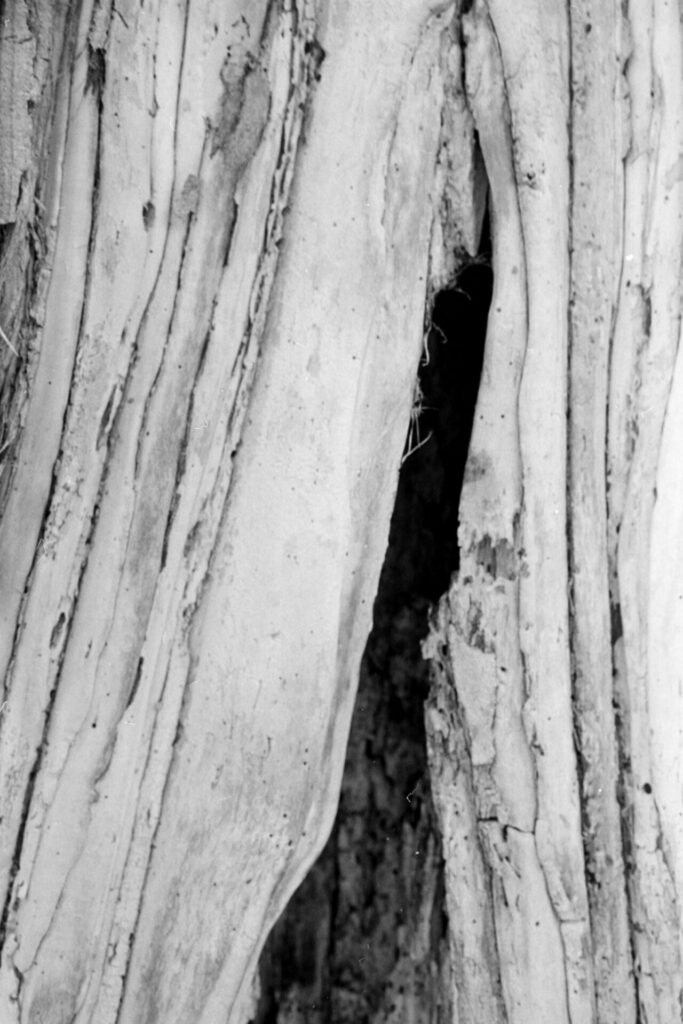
231,236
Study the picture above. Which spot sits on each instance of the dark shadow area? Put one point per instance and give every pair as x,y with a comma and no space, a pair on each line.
363,939
423,542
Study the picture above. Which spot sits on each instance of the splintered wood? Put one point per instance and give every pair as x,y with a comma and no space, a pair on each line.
556,712
238,235
221,225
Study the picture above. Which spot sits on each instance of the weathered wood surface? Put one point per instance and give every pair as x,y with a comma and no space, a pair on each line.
555,718
238,234
221,223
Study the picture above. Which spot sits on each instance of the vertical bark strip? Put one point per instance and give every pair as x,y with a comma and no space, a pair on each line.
466,795
643,403
507,611
597,136
593,614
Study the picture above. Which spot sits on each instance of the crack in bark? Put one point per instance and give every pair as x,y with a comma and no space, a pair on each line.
48,507
67,621
199,576
304,65
142,433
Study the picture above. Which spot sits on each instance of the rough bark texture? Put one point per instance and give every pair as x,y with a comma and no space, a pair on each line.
221,225
365,938
554,721
553,724
218,344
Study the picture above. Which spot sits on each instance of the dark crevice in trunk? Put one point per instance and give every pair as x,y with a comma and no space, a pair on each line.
364,939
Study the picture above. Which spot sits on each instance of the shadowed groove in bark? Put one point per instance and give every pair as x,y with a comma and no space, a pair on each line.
364,939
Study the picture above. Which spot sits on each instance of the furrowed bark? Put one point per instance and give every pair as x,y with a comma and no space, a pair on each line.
489,511
203,485
598,145
643,400
505,618
222,231
602,832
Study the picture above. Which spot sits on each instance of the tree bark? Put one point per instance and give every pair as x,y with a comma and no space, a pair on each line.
224,229
554,761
